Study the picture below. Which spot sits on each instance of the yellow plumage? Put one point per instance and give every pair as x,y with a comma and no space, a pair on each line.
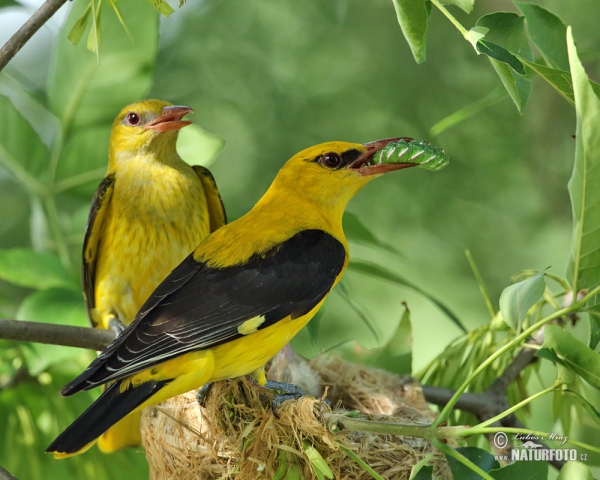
148,214
242,295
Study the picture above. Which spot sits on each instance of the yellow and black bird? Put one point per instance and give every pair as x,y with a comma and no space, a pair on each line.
238,298
150,211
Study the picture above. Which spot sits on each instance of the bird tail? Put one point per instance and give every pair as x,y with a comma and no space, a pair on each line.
108,409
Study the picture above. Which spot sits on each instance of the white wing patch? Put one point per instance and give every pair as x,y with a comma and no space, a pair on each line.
250,326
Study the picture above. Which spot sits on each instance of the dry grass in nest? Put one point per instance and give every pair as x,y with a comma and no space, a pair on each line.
237,436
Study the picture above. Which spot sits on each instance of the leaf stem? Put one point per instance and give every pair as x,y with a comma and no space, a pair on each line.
32,185
467,112
56,230
482,289
78,180
516,407
453,20
337,422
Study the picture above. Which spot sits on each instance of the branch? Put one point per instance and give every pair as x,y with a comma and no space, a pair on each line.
5,475
493,401
479,404
518,364
32,25
81,337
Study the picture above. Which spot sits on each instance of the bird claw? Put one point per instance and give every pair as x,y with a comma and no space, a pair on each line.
289,392
203,393
116,326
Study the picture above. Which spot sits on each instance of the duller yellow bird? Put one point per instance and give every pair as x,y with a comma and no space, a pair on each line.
238,298
150,211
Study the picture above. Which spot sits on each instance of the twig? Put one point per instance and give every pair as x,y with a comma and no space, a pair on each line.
337,422
518,364
5,475
81,337
32,25
486,404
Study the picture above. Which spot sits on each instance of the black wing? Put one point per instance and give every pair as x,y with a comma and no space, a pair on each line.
91,241
214,203
197,307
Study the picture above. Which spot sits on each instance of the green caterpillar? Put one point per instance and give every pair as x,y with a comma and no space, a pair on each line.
407,150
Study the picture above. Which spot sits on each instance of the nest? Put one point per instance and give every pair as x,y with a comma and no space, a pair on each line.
237,436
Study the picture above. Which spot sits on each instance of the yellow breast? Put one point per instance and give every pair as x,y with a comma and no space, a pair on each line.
156,217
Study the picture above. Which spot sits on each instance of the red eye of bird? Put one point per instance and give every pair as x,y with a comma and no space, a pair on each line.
133,118
331,160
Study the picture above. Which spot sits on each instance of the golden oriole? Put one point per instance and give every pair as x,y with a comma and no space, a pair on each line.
238,298
148,213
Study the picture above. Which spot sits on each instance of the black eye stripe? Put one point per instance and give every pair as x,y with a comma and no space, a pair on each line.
346,158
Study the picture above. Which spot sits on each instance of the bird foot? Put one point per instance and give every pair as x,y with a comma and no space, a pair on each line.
116,326
289,392
203,394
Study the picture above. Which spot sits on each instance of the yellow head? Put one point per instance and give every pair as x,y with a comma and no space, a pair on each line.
149,126
330,174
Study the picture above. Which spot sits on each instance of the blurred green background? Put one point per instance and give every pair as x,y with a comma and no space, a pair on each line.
270,78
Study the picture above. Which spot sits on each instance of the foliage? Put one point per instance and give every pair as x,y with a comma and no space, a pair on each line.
274,78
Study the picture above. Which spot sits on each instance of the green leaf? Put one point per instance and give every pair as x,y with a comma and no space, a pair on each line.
587,406
464,5
198,147
84,93
318,464
28,268
348,298
479,457
558,79
58,306
9,3
93,42
162,7
522,471
583,270
548,32
356,231
503,43
424,473
364,465
421,470
78,29
577,470
499,53
288,468
467,112
115,7
594,331
507,30
517,87
517,299
566,350
476,34
385,274
396,354
413,17
22,152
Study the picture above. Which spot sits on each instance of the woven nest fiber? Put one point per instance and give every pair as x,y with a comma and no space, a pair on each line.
236,435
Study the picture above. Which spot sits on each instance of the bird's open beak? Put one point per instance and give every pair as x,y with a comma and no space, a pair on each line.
170,119
363,163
